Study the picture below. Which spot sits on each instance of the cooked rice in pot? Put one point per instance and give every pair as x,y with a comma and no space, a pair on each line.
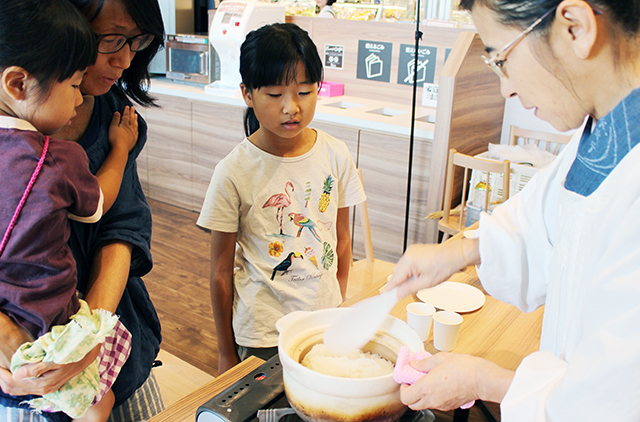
356,364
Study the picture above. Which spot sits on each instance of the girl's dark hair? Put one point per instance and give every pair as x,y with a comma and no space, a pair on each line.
134,81
330,2
47,38
522,13
270,56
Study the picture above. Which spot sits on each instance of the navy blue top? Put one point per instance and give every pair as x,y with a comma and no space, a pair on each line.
129,220
600,151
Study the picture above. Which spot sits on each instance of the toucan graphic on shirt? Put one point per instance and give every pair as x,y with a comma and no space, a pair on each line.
285,264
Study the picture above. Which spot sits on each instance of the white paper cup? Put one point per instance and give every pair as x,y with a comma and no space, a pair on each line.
419,315
446,327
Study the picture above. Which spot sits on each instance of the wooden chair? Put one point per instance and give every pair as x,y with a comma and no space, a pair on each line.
547,141
456,188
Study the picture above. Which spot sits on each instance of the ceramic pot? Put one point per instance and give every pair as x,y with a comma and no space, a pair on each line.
318,397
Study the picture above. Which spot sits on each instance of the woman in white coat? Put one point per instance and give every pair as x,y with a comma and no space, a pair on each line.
569,240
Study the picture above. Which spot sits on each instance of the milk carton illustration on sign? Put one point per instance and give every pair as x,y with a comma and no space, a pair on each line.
421,72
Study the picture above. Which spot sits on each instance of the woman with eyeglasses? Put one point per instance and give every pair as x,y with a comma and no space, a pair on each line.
569,240
114,253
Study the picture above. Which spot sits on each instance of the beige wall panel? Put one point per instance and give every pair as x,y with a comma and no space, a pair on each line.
383,160
217,129
304,22
169,151
351,138
347,135
420,174
386,193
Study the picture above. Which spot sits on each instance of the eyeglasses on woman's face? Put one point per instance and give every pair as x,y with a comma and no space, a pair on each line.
112,43
496,63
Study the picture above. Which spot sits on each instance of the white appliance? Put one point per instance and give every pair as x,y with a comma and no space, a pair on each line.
233,20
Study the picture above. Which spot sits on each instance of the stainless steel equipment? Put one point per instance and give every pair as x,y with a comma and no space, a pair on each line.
190,58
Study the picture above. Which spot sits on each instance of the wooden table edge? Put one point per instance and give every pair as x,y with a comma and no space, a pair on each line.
189,404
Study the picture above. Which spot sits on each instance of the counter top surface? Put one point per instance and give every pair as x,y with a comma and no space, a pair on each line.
360,113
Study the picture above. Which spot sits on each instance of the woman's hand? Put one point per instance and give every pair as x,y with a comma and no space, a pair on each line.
424,266
454,380
123,131
43,377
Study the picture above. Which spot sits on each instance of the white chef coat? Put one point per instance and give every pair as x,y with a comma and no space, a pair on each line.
580,257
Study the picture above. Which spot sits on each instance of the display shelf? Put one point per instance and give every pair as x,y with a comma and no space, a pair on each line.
299,7
387,10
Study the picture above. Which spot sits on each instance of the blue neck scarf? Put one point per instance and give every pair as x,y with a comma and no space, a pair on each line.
601,151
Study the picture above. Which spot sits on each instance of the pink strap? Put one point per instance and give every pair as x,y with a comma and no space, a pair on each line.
24,195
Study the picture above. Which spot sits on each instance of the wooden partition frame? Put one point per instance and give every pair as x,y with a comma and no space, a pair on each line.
468,116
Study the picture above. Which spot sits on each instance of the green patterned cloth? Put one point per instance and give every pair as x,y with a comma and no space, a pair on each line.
66,344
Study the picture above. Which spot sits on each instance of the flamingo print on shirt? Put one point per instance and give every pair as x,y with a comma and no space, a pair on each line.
280,201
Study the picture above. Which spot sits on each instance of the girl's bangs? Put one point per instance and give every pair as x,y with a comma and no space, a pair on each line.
282,67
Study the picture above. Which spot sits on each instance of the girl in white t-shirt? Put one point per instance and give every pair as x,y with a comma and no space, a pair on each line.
277,205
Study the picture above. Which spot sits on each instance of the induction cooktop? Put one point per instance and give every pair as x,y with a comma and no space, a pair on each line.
263,389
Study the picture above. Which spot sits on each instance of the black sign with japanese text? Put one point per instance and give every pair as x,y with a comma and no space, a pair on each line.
374,60
426,67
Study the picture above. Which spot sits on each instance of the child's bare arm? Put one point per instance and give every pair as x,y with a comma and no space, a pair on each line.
343,249
123,135
13,336
223,246
100,411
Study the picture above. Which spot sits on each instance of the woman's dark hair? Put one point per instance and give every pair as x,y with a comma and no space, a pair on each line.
146,14
522,13
50,39
270,56
330,2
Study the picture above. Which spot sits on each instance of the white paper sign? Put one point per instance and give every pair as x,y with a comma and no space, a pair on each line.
430,95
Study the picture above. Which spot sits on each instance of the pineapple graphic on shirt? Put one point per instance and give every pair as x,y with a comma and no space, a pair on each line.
325,198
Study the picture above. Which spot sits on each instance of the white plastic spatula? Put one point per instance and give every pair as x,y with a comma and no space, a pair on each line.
358,326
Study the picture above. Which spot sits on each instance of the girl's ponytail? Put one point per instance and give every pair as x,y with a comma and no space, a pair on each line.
251,123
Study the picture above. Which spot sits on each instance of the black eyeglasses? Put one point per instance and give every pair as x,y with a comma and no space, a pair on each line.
112,43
